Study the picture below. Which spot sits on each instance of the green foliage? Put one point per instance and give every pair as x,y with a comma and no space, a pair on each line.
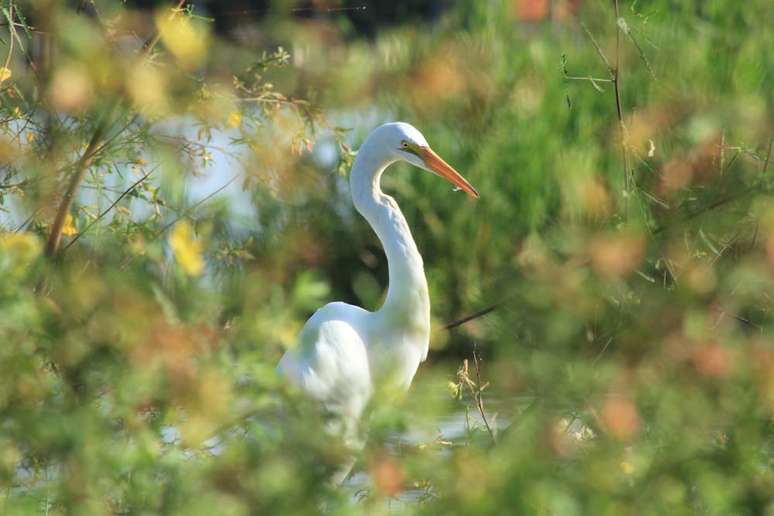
627,368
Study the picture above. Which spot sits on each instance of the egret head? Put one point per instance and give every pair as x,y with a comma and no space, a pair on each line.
407,143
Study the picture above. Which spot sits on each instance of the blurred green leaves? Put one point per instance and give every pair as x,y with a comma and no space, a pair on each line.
628,366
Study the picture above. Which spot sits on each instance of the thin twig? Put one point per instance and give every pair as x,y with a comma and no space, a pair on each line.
475,315
241,418
615,78
104,212
21,25
196,205
618,105
112,138
476,392
726,246
589,78
717,204
12,33
27,220
602,351
653,198
598,49
643,57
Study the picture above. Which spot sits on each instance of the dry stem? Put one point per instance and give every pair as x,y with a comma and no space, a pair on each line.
476,388
615,77
619,109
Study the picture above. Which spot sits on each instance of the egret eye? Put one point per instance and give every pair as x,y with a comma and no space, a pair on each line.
404,144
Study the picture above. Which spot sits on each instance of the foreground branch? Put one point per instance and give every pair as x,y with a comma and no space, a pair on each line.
81,166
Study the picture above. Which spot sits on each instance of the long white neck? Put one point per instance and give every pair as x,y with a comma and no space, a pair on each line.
407,305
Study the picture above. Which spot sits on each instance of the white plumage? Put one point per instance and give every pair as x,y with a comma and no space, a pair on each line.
345,354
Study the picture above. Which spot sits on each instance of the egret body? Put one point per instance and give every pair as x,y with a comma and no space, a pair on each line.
345,354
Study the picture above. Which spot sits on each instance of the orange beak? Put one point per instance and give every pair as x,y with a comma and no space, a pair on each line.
435,163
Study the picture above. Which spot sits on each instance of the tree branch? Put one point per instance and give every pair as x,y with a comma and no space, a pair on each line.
52,245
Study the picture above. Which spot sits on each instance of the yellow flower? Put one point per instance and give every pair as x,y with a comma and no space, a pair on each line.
234,120
188,42
21,248
454,389
188,250
5,73
69,229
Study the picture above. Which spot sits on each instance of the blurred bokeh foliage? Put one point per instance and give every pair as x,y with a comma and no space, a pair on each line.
174,205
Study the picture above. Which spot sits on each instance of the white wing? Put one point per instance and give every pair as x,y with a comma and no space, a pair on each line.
330,362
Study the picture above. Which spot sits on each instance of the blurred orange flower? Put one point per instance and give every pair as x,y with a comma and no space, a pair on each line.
616,255
388,476
621,418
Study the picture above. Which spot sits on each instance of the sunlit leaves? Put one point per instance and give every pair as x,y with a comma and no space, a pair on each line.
19,250
147,87
109,344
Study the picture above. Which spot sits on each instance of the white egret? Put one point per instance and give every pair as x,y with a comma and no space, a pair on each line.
345,354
